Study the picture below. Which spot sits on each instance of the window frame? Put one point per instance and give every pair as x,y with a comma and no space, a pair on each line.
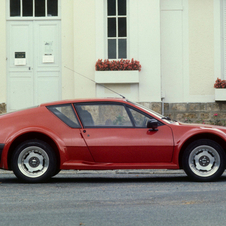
104,126
63,117
143,113
117,38
127,109
46,17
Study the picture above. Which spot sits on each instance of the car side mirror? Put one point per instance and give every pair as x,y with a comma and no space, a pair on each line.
152,124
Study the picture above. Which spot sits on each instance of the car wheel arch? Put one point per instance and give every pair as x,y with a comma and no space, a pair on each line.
191,139
32,136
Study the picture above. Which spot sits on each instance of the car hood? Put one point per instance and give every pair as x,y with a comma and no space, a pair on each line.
200,127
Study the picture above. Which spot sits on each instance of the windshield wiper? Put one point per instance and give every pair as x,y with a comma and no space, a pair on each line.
167,118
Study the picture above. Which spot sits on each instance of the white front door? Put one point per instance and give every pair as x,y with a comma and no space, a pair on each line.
34,59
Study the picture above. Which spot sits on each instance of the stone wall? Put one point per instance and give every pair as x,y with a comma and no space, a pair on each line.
2,108
208,113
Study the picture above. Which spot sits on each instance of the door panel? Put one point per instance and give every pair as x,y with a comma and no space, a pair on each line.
21,89
47,89
20,40
47,38
130,145
47,75
20,77
38,78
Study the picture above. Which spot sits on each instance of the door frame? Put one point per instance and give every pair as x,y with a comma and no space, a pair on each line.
30,19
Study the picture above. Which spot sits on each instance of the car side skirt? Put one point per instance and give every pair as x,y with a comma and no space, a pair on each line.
112,166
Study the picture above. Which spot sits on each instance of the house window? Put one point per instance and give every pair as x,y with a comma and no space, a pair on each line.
33,8
117,29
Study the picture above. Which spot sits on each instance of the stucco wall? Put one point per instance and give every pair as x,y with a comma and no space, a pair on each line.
149,50
201,47
143,23
190,66
78,48
67,37
84,48
190,43
2,53
172,50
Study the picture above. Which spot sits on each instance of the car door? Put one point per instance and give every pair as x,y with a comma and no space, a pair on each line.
115,133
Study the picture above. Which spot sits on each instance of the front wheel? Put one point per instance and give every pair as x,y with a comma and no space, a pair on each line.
34,161
204,160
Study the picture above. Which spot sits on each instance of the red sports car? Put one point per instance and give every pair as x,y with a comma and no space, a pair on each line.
106,134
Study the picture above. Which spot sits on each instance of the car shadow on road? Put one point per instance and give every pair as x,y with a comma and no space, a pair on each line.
95,179
146,179
134,179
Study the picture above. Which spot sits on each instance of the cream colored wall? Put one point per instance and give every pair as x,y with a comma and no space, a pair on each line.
84,48
201,47
78,48
149,50
3,84
83,43
172,50
67,39
143,45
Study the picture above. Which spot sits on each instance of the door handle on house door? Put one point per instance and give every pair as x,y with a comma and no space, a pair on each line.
29,68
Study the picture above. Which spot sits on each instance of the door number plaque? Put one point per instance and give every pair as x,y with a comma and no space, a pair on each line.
20,59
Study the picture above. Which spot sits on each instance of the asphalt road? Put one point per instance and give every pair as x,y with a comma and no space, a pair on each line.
113,198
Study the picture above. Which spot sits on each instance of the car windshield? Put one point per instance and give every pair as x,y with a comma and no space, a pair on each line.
165,118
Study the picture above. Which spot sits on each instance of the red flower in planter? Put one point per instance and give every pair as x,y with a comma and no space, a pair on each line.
114,65
220,83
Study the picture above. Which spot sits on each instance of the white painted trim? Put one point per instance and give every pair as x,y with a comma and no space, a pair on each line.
33,17
101,29
180,9
106,77
100,32
218,40
220,94
185,68
35,67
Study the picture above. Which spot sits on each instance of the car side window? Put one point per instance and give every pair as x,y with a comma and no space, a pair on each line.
140,119
103,115
66,114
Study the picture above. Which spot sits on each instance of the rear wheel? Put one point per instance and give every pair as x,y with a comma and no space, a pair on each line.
204,160
34,161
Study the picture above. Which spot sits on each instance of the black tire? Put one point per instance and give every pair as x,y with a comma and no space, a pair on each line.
34,161
57,171
204,160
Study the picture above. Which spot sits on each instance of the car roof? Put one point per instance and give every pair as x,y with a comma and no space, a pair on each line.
84,100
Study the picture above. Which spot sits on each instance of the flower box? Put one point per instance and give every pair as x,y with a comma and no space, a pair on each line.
106,77
220,94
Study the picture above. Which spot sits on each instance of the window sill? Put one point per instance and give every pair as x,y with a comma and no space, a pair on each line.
106,77
220,94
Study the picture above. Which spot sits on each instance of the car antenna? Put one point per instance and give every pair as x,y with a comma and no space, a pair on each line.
95,82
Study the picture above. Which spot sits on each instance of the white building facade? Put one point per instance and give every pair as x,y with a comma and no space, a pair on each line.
48,46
